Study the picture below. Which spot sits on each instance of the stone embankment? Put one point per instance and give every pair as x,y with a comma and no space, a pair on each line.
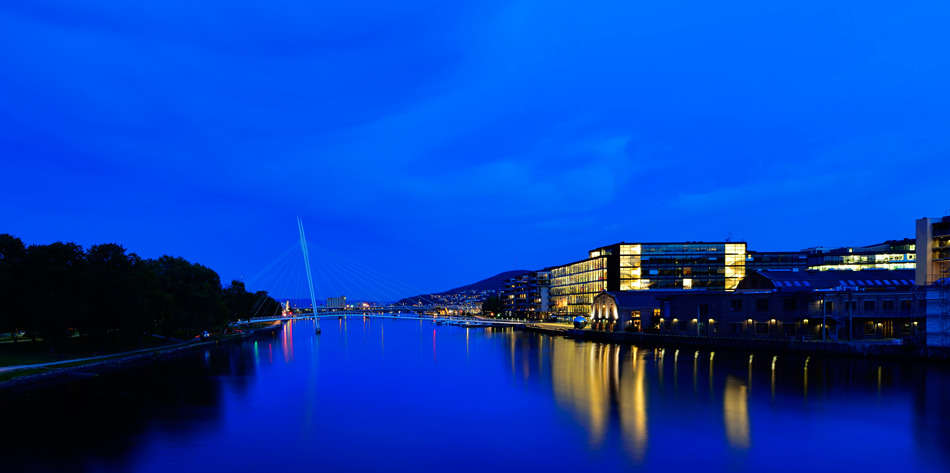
887,349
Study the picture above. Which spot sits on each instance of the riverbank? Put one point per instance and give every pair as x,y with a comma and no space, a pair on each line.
859,349
13,376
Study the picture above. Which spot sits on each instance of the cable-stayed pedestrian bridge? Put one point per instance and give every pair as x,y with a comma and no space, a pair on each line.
448,320
370,292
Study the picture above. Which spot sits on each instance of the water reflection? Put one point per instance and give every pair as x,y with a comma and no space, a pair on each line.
95,423
607,387
632,408
593,406
735,406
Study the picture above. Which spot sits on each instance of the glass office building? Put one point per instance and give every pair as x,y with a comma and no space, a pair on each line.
891,255
794,261
933,249
645,266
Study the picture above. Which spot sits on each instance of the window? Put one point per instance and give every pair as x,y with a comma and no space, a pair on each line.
791,304
869,306
735,328
887,306
851,306
905,306
762,305
761,327
829,306
869,327
735,305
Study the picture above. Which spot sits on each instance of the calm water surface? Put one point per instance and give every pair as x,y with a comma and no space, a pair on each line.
404,395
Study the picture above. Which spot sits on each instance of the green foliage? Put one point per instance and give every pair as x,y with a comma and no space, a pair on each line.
196,295
12,253
245,305
56,290
492,305
105,293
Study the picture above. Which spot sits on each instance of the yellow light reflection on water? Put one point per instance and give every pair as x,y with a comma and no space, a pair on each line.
774,360
735,404
633,408
580,384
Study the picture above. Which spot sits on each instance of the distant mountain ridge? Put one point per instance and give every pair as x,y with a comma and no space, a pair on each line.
496,282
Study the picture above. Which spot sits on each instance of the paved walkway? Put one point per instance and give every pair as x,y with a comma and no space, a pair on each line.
4,369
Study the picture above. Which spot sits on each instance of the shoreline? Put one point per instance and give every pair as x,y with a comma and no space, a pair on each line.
811,347
93,367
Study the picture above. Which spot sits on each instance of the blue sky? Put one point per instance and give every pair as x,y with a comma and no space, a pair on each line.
441,143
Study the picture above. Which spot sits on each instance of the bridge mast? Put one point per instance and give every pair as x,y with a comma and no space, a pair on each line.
306,263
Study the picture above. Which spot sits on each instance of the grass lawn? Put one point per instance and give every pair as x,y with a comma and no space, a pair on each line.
27,352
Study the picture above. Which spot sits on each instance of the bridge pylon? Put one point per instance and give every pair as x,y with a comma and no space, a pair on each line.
306,263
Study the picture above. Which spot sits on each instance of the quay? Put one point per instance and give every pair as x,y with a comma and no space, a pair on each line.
895,349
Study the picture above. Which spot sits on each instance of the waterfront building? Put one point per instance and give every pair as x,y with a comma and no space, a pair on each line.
892,254
336,302
937,311
933,274
645,266
872,304
776,261
933,249
528,295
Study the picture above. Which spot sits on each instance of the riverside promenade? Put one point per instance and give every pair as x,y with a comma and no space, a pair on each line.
886,349
18,375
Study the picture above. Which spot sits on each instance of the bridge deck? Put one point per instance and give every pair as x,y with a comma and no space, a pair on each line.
492,322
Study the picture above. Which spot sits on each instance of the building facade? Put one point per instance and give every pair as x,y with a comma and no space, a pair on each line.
933,250
933,274
528,296
777,304
776,261
715,266
893,254
336,302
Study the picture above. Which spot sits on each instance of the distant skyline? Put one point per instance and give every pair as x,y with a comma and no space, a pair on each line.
442,143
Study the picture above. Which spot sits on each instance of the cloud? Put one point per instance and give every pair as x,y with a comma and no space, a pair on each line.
610,121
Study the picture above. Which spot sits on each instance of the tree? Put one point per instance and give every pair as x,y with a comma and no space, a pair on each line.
12,254
492,305
55,289
244,305
238,301
118,294
266,305
195,294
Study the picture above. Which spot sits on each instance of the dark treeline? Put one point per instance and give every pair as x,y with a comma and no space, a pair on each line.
55,291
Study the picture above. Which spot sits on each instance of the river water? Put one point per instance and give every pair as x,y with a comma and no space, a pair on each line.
407,395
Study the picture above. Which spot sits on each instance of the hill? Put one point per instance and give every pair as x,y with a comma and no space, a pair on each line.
470,292
496,282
